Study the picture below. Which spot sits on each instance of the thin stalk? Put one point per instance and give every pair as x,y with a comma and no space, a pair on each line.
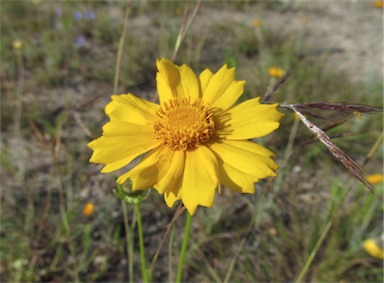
233,261
184,28
121,47
144,271
287,154
313,253
170,256
129,240
374,149
64,217
115,86
187,232
169,228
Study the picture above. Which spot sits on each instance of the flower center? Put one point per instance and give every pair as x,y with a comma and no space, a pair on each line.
184,125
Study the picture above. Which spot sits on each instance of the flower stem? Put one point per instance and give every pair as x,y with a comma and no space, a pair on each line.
129,240
187,231
144,271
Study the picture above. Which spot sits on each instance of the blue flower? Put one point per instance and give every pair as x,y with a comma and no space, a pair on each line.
77,15
89,15
58,11
58,24
79,41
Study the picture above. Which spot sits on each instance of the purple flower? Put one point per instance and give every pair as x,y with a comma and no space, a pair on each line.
58,11
77,15
89,15
58,24
79,41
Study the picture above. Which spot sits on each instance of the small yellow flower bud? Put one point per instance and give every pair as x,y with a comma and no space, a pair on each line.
275,72
378,4
17,44
88,209
375,178
256,23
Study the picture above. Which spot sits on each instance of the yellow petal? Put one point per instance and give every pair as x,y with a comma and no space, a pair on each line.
130,130
230,96
168,79
118,151
189,83
175,169
163,89
199,179
174,81
248,161
250,146
238,180
171,196
151,169
130,108
170,185
247,120
204,79
235,179
222,90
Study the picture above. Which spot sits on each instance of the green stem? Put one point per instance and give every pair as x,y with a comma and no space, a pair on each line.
187,231
129,240
141,242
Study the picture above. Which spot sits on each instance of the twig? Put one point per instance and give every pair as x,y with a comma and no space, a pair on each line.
76,116
374,149
121,45
267,96
178,212
184,28
345,108
353,168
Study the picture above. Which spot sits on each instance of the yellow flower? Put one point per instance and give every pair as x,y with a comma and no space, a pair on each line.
196,138
88,209
378,4
17,44
275,72
372,247
375,178
256,23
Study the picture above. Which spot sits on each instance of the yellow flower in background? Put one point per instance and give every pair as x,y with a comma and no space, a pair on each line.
17,44
88,209
195,140
375,247
256,23
378,4
375,178
275,72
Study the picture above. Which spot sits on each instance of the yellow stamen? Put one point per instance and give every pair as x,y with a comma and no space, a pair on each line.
183,124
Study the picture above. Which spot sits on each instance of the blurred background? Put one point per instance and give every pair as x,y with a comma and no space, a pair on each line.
60,221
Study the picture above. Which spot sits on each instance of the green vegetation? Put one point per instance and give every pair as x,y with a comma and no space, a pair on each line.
54,86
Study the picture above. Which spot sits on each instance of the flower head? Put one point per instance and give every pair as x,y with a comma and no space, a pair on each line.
89,15
378,4
256,23
275,72
375,247
77,15
375,179
17,44
88,209
79,41
195,139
